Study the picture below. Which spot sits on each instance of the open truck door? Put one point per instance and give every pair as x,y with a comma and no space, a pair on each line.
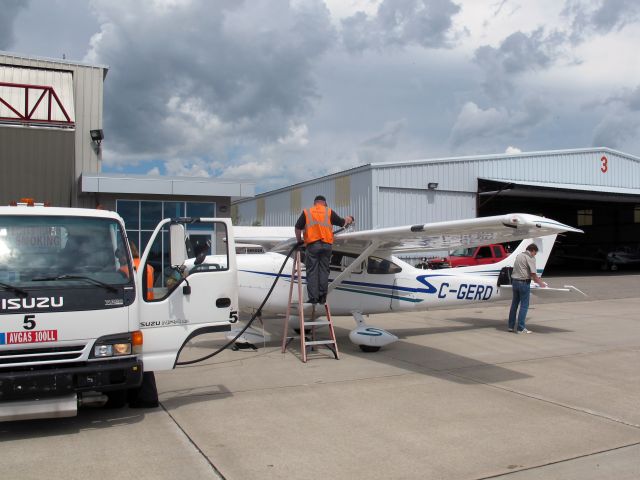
194,289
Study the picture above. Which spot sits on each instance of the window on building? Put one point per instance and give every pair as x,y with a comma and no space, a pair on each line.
585,217
142,216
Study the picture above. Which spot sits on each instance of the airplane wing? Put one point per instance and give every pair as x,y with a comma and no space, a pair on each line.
550,293
425,237
267,237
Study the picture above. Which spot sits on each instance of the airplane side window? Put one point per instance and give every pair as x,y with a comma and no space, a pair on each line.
335,263
484,252
381,266
497,252
340,261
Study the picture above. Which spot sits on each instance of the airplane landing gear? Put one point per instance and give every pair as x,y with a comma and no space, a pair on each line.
369,339
368,348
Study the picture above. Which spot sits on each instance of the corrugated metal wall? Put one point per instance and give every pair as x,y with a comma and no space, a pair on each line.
61,83
347,194
383,195
42,160
88,105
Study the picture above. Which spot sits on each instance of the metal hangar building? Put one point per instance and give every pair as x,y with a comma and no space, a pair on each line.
51,138
596,189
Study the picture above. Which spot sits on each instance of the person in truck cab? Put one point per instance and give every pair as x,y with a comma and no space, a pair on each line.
150,272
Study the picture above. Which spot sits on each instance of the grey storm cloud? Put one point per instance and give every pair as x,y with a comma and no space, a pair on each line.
614,130
599,16
620,121
398,23
9,10
199,75
474,124
380,146
519,52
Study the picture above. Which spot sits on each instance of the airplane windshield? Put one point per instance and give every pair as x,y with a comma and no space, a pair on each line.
43,251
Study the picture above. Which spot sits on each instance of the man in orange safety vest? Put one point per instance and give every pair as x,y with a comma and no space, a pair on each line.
315,224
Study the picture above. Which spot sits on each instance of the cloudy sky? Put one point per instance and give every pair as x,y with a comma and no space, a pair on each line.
280,91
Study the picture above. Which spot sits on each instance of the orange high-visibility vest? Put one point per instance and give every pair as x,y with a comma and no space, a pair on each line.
318,224
136,264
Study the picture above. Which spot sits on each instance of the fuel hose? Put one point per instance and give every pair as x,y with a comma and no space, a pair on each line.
254,316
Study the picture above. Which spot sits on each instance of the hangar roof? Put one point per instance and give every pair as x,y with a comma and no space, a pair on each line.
501,156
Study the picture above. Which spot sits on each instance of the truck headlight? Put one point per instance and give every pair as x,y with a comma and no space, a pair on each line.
117,345
103,351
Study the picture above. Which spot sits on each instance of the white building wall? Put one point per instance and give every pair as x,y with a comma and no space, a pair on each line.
88,82
391,194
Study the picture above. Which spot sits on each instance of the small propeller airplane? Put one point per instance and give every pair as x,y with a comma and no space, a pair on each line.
368,278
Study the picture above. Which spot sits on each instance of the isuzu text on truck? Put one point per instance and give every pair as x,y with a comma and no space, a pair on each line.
78,324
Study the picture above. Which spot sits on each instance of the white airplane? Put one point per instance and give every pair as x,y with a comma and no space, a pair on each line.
367,278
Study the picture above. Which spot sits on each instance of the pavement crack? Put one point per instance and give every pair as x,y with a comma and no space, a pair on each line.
546,400
557,462
195,445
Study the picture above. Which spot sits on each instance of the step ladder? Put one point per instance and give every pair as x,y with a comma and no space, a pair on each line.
313,342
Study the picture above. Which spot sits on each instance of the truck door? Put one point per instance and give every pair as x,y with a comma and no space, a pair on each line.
484,256
194,286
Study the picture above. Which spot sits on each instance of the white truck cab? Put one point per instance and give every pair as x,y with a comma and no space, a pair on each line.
79,322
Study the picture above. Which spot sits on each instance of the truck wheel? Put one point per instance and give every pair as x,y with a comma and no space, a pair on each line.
146,395
116,399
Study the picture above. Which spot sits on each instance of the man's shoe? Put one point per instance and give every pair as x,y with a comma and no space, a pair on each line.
524,330
510,329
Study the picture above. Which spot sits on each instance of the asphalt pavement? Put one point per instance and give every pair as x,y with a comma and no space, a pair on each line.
457,397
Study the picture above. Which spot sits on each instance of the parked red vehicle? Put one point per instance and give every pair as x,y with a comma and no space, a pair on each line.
464,257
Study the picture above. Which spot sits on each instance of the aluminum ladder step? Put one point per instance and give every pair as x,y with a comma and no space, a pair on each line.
300,309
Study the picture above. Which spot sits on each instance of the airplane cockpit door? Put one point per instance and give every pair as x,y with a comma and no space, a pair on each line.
394,295
192,291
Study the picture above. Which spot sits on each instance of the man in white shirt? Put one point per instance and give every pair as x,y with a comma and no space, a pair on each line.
524,270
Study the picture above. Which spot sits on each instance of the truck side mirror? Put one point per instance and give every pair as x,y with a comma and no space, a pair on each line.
177,237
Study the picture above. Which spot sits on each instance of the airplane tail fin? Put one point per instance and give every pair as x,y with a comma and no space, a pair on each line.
545,245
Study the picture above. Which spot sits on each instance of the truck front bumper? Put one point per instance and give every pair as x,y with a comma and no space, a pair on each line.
101,376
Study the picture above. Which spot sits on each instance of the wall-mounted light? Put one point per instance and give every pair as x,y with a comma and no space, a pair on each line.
432,185
97,136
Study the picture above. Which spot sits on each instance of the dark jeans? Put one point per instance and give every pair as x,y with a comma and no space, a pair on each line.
317,262
521,294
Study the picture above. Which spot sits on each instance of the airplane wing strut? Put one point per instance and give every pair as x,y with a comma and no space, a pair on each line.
353,265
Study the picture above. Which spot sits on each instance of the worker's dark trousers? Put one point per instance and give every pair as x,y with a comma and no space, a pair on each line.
317,262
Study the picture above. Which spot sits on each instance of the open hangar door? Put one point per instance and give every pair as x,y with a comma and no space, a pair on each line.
610,219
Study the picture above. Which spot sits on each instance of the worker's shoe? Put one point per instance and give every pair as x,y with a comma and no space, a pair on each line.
524,330
510,329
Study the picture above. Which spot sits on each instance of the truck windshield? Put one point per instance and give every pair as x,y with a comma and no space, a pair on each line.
37,251
463,252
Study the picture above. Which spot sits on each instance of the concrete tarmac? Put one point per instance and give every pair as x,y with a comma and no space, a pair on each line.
458,397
